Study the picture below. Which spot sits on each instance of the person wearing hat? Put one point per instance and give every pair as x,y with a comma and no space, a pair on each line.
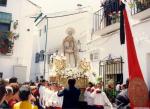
24,95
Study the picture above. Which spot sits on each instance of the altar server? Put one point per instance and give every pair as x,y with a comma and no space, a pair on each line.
56,100
100,98
87,97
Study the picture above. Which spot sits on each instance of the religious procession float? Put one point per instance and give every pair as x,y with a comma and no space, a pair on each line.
61,73
69,65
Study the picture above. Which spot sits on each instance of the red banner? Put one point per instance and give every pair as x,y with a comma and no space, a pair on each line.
138,91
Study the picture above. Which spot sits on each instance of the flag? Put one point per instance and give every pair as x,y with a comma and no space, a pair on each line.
122,33
137,90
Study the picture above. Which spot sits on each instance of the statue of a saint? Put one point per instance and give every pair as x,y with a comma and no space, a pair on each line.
70,50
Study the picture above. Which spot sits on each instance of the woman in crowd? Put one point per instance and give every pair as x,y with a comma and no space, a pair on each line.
15,98
24,95
9,96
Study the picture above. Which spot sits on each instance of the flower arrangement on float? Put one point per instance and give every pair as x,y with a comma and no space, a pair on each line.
73,73
84,65
59,64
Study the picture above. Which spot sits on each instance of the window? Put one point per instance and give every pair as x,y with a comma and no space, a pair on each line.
94,56
5,21
139,6
3,2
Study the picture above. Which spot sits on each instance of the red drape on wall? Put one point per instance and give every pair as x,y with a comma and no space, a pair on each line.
138,91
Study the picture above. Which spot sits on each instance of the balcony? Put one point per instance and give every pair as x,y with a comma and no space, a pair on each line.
140,9
106,20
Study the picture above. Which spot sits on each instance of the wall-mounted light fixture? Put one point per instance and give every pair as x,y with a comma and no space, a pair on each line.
15,24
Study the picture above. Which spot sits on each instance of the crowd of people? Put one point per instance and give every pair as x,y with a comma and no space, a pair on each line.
45,95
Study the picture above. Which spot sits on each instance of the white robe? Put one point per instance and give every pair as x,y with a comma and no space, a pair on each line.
101,99
41,92
56,101
88,98
48,98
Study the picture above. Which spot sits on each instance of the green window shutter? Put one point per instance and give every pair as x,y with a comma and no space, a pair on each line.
5,17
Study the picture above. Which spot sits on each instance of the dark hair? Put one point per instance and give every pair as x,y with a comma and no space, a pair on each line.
71,82
127,82
24,93
13,80
91,84
32,84
43,81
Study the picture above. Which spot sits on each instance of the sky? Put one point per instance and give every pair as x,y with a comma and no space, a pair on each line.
52,6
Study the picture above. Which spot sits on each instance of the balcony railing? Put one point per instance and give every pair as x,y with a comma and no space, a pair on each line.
139,6
107,15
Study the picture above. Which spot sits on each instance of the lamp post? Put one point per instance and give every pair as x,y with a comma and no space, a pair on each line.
45,46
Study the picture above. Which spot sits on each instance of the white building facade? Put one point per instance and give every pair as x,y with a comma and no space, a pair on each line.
18,15
106,38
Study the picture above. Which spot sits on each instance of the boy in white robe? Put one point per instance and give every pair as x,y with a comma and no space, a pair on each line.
100,98
56,101
87,95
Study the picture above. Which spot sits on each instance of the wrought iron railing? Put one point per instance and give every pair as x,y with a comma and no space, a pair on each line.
107,15
139,6
112,71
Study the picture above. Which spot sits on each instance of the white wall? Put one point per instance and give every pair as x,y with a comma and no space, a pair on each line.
21,11
111,45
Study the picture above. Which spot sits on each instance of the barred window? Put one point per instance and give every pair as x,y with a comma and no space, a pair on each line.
5,21
3,2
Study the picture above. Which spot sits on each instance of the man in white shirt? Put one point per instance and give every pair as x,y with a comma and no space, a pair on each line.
100,98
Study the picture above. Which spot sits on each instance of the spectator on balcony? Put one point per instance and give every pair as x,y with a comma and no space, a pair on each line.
111,8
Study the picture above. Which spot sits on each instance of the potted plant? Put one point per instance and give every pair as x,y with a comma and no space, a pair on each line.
7,42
